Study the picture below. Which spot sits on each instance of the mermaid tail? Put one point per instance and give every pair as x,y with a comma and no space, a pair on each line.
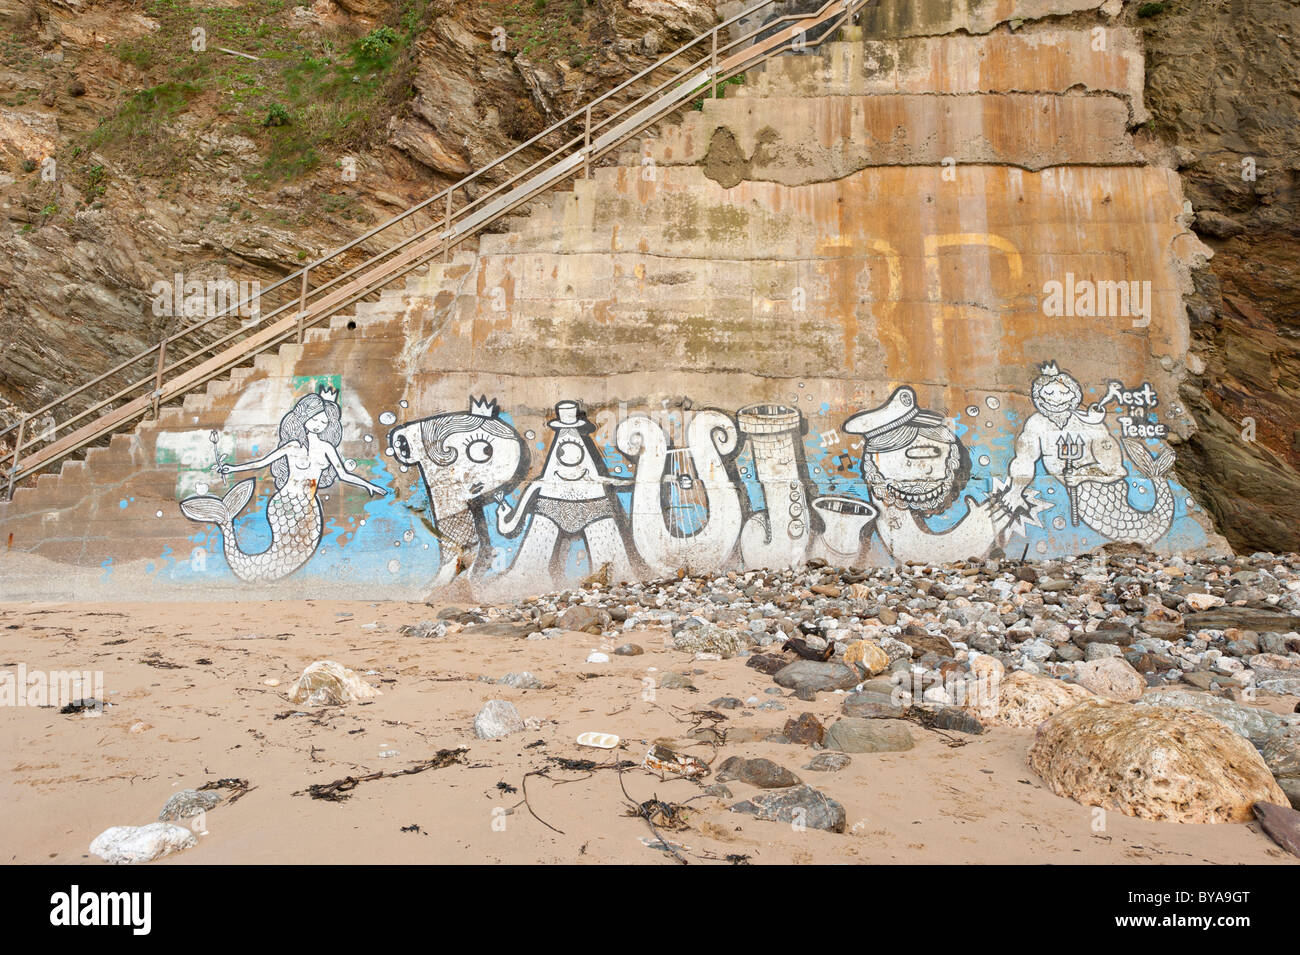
1105,507
296,524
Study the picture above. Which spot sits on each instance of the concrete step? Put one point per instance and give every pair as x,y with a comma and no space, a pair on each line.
1108,61
804,139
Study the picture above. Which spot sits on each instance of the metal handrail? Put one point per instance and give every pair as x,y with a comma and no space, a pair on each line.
443,232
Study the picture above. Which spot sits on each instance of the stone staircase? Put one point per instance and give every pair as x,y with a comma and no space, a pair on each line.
884,213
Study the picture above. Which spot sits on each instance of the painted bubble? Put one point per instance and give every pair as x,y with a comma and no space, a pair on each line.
394,565
387,418
993,403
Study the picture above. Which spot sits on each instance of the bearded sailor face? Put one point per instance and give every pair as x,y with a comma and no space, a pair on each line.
923,475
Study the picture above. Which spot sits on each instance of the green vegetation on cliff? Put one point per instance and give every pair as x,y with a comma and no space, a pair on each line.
250,71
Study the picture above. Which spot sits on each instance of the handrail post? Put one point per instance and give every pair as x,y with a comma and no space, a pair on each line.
158,376
18,447
586,147
446,227
713,63
302,303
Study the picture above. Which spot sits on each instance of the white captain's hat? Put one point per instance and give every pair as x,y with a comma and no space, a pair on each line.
897,411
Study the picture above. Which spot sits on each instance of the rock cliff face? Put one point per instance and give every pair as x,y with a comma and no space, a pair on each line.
169,160
1221,86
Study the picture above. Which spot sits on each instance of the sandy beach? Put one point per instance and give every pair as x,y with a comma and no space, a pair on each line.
190,701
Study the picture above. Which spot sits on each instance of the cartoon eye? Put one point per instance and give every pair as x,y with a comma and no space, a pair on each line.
922,451
403,448
569,453
479,451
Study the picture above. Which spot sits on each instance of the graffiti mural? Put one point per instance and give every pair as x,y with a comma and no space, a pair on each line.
573,498
465,459
916,468
1077,448
305,462
650,494
779,535
686,510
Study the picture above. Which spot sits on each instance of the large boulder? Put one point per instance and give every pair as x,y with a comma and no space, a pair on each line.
1275,735
1022,699
1162,763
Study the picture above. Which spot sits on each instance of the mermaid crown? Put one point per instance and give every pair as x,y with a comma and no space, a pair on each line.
329,394
483,406
1050,369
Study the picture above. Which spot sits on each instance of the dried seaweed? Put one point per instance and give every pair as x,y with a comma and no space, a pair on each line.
340,789
238,788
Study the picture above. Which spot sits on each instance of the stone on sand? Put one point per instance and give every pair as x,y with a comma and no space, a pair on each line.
814,676
497,718
1281,824
797,804
762,773
326,683
187,803
854,735
132,845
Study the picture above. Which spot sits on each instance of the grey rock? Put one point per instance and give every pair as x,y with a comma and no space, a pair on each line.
829,762
1255,723
798,804
521,681
759,772
1282,825
813,676
187,803
853,735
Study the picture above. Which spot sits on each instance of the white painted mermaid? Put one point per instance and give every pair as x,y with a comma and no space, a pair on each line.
305,462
